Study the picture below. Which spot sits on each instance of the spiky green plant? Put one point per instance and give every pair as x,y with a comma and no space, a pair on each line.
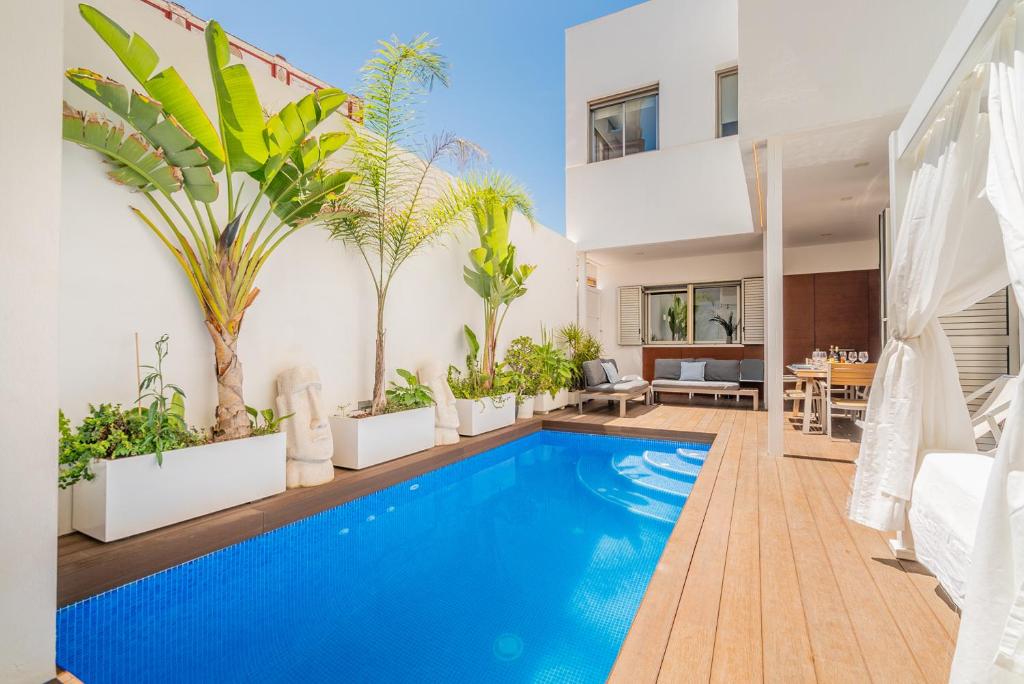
676,316
173,158
395,209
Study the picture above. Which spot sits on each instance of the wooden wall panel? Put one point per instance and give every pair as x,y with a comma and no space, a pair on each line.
842,310
874,314
797,317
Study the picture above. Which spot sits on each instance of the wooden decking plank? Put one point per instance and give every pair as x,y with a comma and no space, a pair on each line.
737,652
883,647
836,652
690,651
787,656
644,648
927,640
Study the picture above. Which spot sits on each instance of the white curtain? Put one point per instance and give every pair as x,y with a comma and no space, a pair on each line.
990,647
947,256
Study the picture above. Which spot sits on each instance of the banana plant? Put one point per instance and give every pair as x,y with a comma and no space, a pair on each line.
165,147
493,272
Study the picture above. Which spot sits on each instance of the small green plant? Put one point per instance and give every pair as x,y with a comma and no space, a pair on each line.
522,367
109,432
265,422
165,417
475,383
581,346
676,316
556,371
412,395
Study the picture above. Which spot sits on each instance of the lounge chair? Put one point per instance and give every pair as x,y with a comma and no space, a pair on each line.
948,490
598,385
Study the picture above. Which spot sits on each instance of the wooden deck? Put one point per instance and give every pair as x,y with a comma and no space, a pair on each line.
762,579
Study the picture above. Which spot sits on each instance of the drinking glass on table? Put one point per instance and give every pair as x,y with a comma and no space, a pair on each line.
862,357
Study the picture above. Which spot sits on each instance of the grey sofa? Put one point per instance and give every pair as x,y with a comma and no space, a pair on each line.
721,377
598,386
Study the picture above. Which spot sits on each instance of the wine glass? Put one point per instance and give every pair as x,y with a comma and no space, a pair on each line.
862,357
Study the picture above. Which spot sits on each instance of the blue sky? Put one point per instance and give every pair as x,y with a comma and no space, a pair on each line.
507,67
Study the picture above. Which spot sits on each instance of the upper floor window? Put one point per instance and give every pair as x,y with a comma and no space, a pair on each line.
728,102
624,124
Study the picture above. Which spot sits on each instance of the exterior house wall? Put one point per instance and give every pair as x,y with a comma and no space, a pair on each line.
316,304
693,185
29,204
849,256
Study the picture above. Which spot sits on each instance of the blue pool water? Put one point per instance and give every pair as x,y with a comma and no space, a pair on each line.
525,563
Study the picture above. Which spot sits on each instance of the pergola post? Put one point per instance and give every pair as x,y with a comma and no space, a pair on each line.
31,47
773,297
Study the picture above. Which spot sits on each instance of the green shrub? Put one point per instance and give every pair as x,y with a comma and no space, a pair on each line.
581,346
412,395
522,367
474,383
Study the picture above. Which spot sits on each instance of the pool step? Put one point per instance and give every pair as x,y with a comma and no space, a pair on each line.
684,462
601,478
638,471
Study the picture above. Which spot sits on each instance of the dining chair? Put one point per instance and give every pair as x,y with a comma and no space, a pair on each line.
846,389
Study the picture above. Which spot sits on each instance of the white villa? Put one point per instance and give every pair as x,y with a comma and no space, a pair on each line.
751,185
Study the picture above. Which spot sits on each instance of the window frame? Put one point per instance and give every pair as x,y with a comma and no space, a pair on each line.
690,290
719,75
621,99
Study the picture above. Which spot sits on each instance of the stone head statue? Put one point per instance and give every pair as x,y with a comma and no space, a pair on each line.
446,418
310,446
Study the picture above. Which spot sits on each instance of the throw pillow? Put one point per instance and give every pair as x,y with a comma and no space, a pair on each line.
611,371
692,371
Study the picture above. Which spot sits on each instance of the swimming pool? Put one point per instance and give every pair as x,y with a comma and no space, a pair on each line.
523,563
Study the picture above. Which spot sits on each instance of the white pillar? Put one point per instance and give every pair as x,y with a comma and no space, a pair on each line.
581,289
31,50
773,297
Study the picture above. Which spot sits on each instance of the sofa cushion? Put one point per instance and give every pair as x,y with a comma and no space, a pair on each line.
752,370
610,371
593,373
722,371
666,368
691,370
703,384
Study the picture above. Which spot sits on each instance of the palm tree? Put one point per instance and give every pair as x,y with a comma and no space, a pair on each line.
401,202
173,157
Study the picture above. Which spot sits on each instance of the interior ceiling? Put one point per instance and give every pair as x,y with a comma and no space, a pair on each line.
747,242
836,182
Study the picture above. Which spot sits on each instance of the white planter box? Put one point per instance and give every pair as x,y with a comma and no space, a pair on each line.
545,403
134,494
477,416
525,409
362,442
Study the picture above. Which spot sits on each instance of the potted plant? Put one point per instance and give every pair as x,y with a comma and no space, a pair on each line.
176,159
383,213
135,470
728,324
676,318
521,367
555,376
404,426
483,402
581,346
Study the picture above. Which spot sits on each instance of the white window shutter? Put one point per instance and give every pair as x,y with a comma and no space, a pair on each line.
753,311
630,319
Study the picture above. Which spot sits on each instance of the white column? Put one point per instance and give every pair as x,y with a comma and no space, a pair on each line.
773,297
31,50
581,289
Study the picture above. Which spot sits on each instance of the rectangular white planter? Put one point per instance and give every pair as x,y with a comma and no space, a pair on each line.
545,403
135,494
477,416
362,442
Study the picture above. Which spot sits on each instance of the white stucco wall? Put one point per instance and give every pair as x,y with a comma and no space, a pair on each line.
693,185
842,256
806,64
30,50
315,306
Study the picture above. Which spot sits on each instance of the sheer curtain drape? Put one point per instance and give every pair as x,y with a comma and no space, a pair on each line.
990,647
947,256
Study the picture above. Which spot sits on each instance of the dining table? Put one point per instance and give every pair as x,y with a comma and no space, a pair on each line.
813,378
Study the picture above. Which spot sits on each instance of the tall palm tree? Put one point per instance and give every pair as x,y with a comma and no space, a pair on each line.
400,202
173,159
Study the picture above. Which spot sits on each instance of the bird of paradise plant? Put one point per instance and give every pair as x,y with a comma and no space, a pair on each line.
493,273
173,157
396,208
